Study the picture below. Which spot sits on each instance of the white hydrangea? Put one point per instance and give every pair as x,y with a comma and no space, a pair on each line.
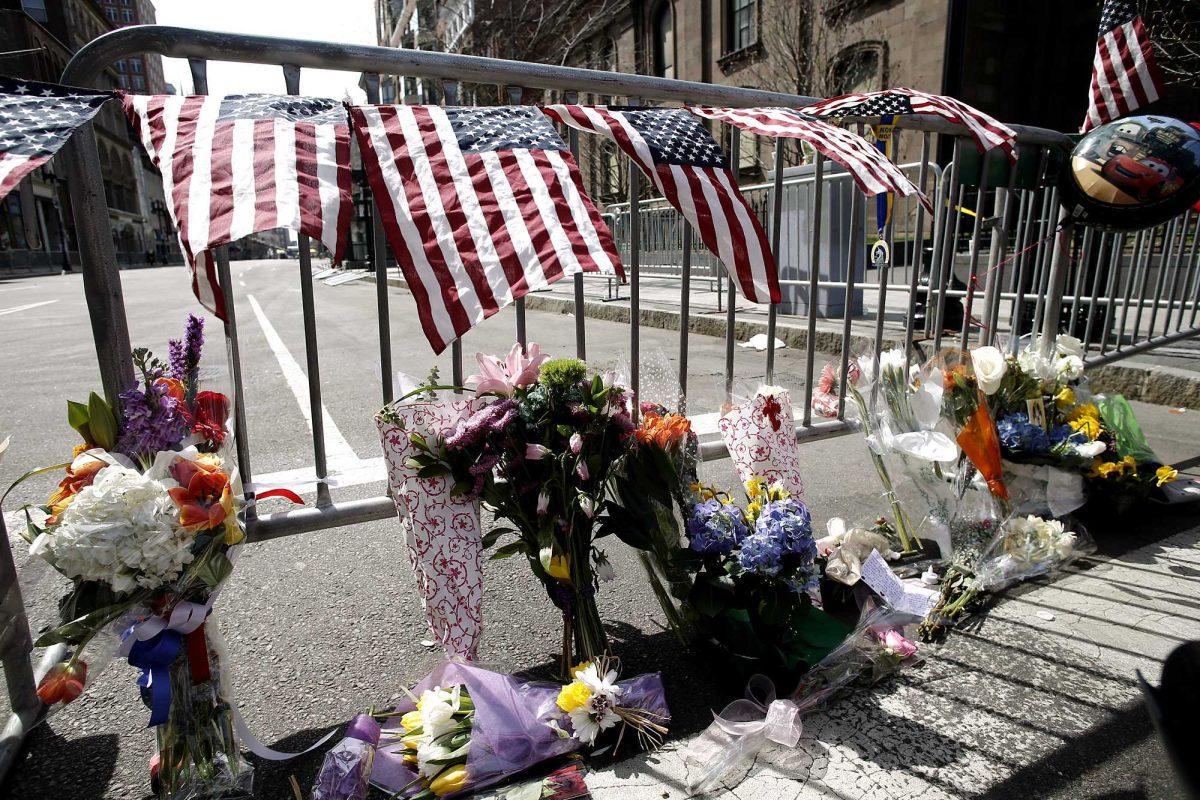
121,530
1032,540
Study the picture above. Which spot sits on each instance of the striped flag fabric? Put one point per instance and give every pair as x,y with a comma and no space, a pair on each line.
690,170
36,119
987,131
484,205
233,166
871,170
1125,76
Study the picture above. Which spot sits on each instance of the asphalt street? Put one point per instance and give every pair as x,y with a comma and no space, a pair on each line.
321,626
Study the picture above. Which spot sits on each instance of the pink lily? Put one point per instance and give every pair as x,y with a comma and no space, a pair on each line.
536,452
897,644
576,443
503,377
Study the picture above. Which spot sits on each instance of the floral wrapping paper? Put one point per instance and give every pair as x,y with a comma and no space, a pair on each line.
761,437
442,535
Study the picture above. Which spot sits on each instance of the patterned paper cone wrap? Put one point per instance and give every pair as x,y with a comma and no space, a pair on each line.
761,437
442,534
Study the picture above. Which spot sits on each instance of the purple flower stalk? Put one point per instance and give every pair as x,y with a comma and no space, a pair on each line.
151,421
185,355
493,418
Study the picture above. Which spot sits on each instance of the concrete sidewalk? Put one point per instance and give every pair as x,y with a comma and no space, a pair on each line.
1036,700
1166,376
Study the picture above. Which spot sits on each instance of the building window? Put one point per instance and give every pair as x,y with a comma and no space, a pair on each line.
127,15
664,41
122,65
36,9
123,81
139,82
858,68
111,13
742,31
136,66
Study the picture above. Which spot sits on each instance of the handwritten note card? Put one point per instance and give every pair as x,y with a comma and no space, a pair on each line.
909,598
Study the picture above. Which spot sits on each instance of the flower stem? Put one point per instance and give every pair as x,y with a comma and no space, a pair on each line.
906,542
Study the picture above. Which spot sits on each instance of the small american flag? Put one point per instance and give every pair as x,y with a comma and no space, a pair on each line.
1125,76
872,171
35,120
237,165
484,205
987,131
689,169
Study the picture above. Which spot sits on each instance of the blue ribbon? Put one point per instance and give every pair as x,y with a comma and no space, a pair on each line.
154,657
883,143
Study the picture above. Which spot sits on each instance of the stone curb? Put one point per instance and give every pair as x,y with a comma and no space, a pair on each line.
1150,383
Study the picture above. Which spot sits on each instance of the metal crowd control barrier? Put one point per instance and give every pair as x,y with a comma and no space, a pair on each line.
966,218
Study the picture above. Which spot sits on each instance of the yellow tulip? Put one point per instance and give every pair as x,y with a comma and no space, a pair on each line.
452,779
411,720
1065,398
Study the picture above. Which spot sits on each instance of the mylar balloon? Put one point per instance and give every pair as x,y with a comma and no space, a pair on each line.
1133,173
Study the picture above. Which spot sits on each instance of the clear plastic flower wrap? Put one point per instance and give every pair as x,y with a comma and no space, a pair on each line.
877,647
465,727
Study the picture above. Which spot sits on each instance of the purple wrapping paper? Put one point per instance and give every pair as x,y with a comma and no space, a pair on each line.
511,731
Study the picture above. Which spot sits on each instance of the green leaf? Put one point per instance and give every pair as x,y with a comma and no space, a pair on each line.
215,569
30,474
491,537
461,489
432,471
77,418
508,550
102,423
418,440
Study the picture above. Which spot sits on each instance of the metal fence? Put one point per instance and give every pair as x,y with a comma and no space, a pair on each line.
1109,276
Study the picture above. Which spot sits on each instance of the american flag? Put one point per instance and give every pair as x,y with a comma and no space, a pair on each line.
35,120
237,165
484,206
987,131
1125,76
689,169
871,170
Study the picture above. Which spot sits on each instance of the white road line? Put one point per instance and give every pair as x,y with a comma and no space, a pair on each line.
25,307
337,449
6,288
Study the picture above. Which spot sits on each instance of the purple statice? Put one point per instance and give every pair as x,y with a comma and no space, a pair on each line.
151,421
493,418
714,527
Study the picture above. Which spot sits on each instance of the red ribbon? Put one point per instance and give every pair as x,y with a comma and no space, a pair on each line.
284,493
197,652
772,410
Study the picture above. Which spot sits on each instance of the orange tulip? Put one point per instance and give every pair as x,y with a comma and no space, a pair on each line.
63,683
174,388
979,441
205,502
80,473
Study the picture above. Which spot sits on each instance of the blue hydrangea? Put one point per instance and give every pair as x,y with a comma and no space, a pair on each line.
714,528
761,553
1019,435
790,523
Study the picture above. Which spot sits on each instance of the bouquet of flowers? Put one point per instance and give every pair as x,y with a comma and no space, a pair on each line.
1024,547
1054,433
540,450
465,727
876,648
145,525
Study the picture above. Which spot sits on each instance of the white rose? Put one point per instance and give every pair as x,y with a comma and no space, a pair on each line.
1091,449
1070,367
1068,345
1031,361
990,366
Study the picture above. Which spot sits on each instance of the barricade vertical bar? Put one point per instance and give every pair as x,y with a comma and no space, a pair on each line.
685,306
291,76
16,645
814,272
856,235
776,221
1189,289
577,279
1103,259
917,261
1085,252
949,250
381,253
1114,274
940,231
976,230
995,269
1056,283
1177,276
1144,281
735,142
1160,284
450,96
1028,204
515,96
1046,255
635,293
1135,268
